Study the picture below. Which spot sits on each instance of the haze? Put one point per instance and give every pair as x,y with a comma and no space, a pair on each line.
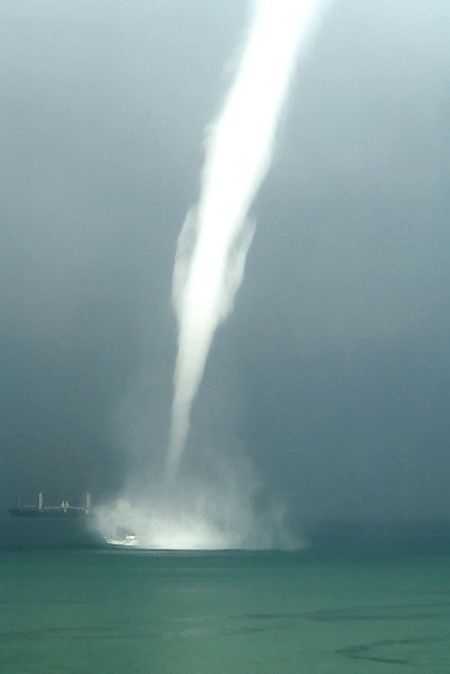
332,375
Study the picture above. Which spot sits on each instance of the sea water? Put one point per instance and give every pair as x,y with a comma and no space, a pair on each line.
117,612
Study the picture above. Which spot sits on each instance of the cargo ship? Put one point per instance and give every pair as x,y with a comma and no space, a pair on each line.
63,511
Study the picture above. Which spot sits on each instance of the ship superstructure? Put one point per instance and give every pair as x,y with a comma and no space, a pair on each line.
65,510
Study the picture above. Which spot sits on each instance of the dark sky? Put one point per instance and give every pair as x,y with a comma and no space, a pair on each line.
333,371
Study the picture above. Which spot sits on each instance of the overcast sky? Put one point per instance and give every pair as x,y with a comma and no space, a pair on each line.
333,371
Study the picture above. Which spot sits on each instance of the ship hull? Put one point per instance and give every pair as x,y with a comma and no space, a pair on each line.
49,513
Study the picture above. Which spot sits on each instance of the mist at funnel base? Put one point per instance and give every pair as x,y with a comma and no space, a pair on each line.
226,510
157,528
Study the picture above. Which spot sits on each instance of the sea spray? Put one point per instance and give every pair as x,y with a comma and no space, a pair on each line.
218,510
217,233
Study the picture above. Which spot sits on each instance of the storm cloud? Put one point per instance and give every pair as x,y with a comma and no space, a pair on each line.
333,371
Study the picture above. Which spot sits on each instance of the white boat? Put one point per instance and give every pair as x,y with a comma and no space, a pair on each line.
130,541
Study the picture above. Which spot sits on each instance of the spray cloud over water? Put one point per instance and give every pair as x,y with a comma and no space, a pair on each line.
217,234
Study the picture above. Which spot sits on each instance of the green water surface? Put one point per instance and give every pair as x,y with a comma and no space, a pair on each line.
112,612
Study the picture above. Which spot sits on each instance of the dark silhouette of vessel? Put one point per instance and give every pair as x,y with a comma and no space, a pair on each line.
63,511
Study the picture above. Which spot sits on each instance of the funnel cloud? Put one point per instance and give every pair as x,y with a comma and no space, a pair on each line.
217,234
